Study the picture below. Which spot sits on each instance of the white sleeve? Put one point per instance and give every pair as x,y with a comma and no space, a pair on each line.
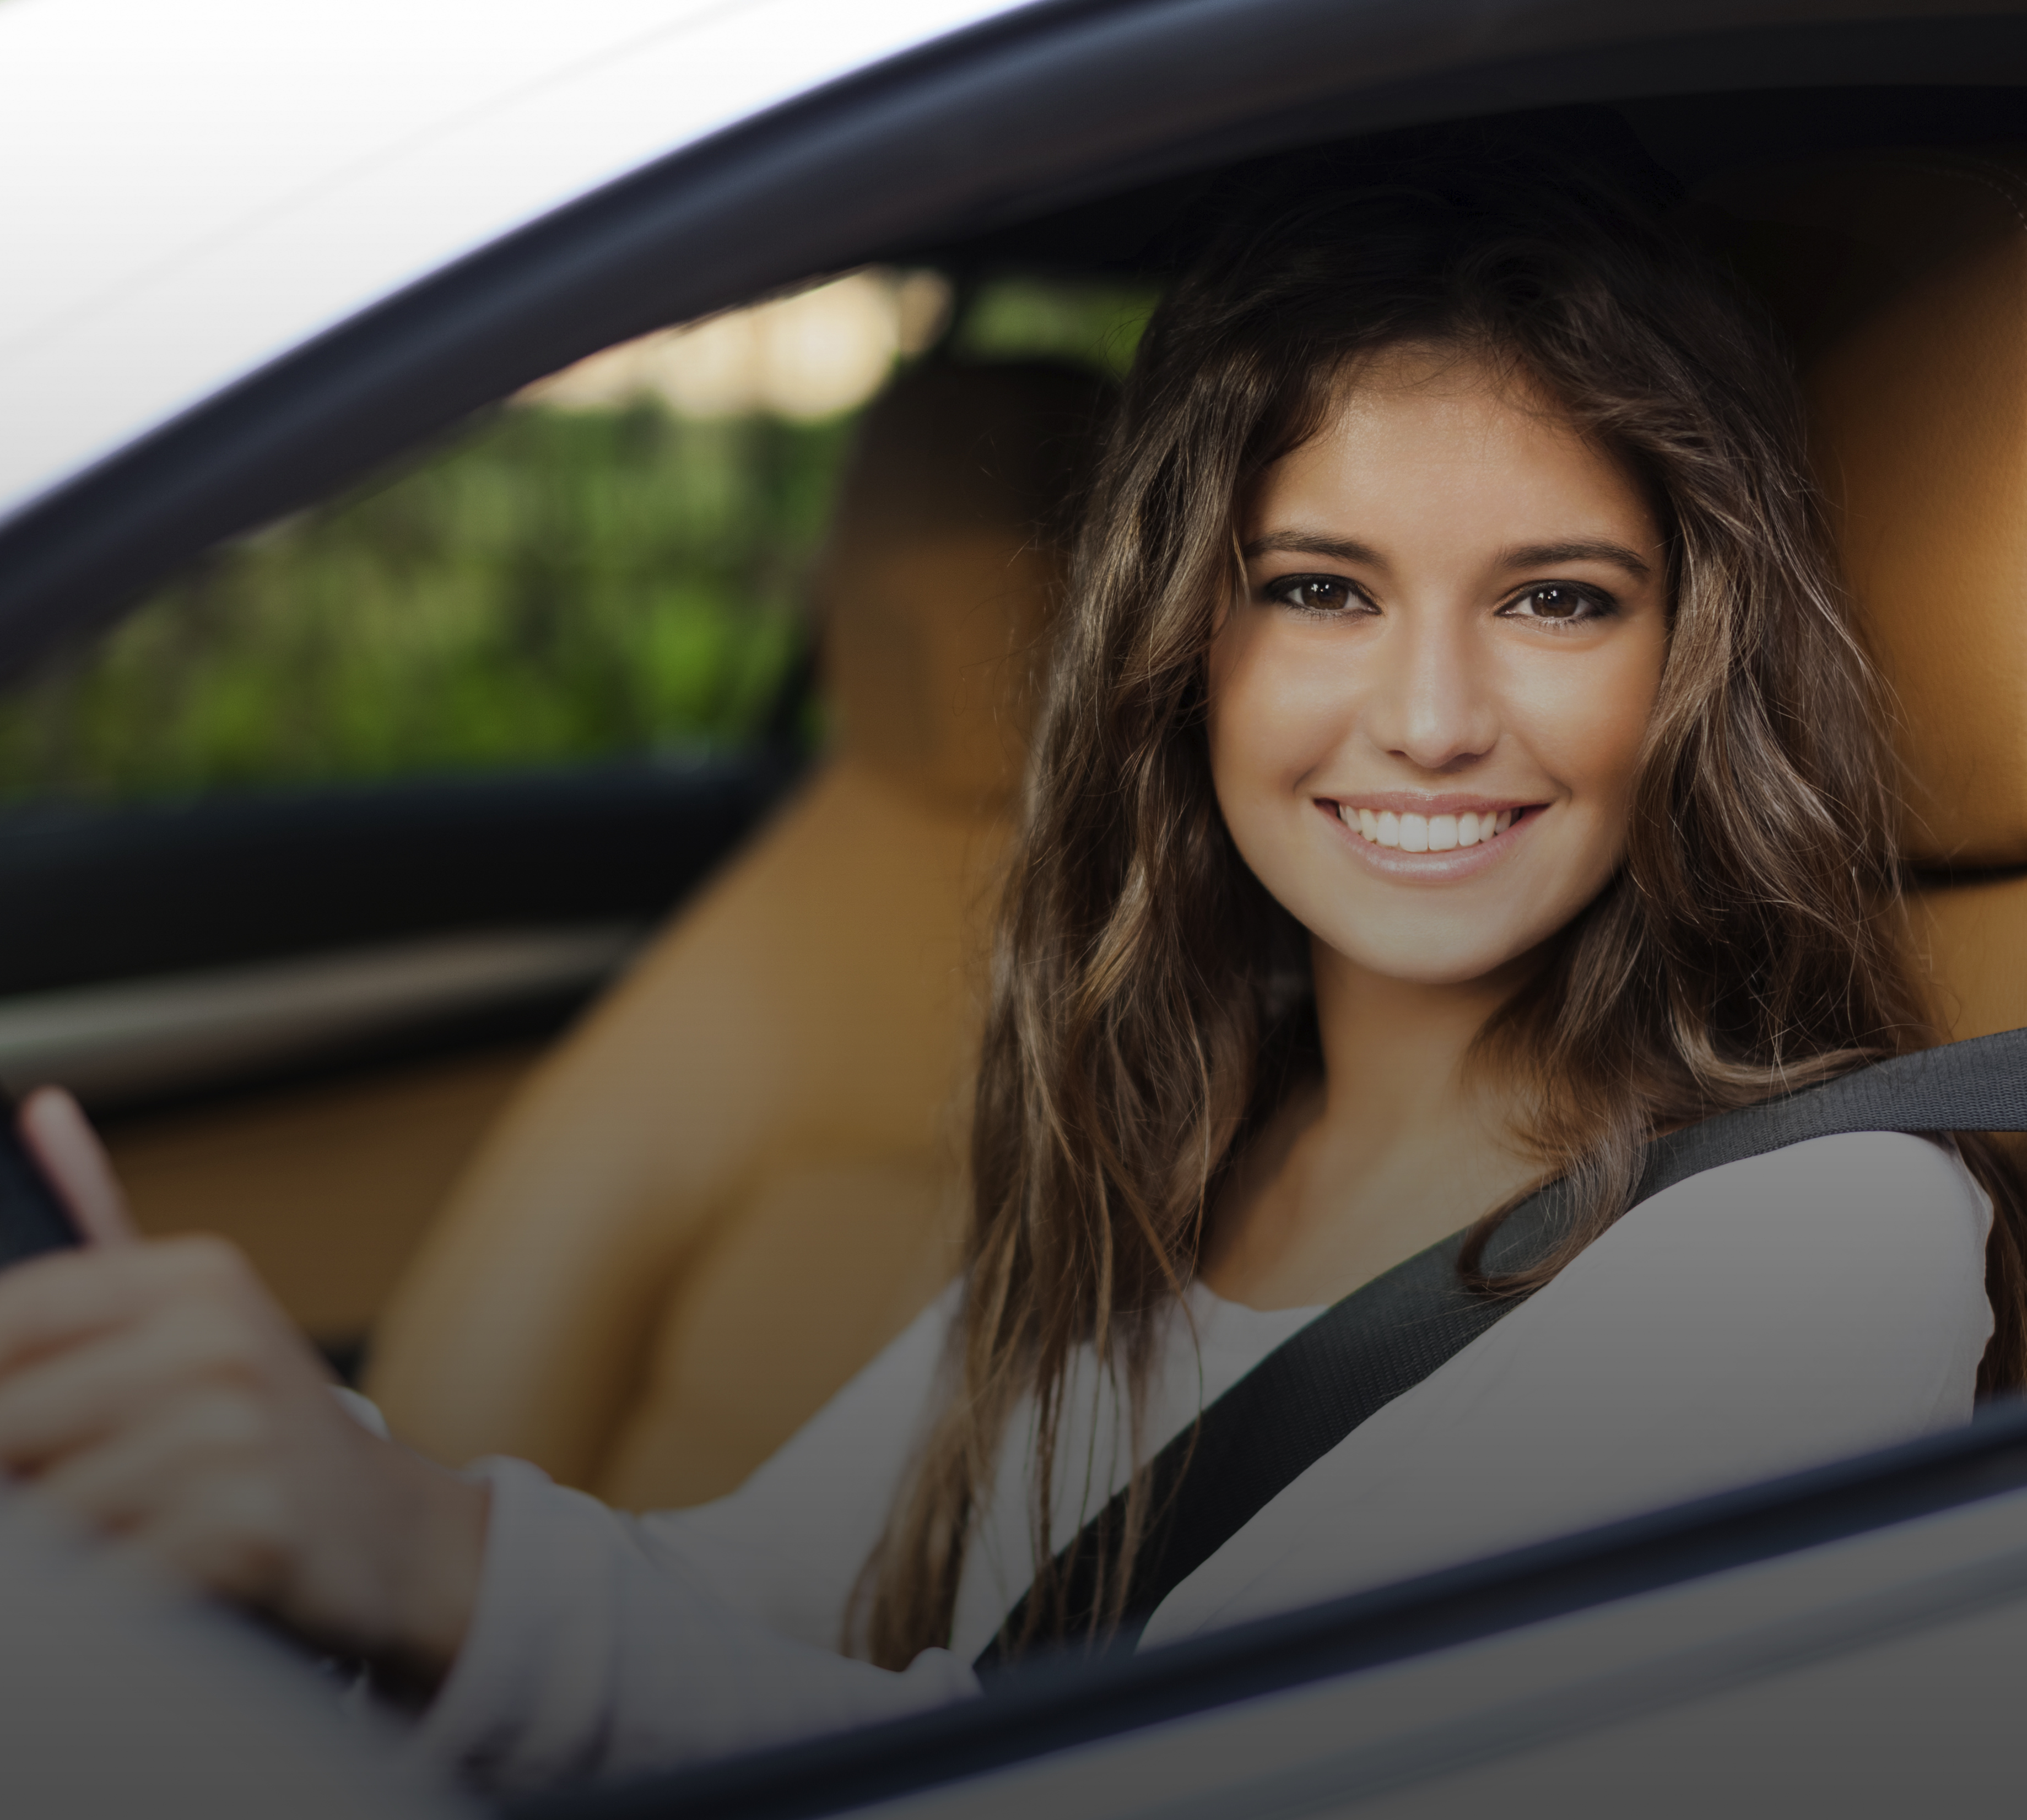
787,1547
1764,1316
603,1644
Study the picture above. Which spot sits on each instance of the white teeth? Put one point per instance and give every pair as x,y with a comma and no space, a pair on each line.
1413,833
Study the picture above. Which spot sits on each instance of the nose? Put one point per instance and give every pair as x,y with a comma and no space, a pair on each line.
1431,701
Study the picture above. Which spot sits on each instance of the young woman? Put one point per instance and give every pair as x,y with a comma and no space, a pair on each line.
1458,771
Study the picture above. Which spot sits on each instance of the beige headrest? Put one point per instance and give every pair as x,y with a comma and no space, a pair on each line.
937,580
1903,276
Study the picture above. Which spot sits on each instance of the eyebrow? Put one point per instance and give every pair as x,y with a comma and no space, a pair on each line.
1313,544
1581,550
1294,543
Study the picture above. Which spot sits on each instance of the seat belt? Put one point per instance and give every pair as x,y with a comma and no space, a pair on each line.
1386,1337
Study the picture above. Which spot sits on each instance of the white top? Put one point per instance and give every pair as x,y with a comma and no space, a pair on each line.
1761,1317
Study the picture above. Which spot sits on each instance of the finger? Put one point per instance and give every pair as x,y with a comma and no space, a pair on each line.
61,1138
72,1399
134,1476
230,1534
66,1297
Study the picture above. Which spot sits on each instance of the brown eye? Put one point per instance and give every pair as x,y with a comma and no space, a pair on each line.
1312,593
1558,603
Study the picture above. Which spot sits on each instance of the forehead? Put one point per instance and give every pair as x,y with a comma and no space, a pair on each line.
1421,430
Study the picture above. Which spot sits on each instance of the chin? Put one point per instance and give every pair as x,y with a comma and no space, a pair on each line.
1463,974
1416,962
1427,949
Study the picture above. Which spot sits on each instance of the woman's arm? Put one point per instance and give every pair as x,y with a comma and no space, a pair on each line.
605,1643
593,1652
156,1393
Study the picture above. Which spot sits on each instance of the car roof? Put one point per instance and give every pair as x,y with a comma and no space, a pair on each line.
219,181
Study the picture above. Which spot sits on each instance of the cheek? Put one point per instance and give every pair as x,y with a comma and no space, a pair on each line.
1588,720
1274,711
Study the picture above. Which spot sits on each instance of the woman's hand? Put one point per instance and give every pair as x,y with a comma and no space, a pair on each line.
155,1391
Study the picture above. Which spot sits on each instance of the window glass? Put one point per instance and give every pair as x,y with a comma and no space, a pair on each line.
1096,323
613,563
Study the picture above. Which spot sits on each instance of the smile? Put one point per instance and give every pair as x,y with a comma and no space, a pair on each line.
1414,833
1444,841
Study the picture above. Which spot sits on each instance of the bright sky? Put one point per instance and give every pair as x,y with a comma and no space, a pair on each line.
213,181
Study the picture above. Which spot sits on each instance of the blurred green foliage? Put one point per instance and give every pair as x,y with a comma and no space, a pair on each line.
556,587
561,586
1097,323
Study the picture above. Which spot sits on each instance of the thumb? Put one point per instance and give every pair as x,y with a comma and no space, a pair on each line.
60,1139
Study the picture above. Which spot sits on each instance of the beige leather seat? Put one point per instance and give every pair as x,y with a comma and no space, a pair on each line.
741,1175
1903,276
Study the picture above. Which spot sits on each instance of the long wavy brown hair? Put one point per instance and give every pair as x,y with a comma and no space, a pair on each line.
1149,1005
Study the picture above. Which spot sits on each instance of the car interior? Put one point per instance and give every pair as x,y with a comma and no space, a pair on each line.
641,1243
613,1115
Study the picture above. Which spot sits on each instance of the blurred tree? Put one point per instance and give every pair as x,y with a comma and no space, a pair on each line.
560,585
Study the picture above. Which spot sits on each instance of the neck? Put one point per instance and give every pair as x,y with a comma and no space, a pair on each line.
1406,1143
1395,1050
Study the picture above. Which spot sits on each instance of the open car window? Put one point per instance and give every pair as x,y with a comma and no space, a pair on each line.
589,607
399,782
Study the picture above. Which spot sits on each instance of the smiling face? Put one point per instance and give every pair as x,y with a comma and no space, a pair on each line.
1426,707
